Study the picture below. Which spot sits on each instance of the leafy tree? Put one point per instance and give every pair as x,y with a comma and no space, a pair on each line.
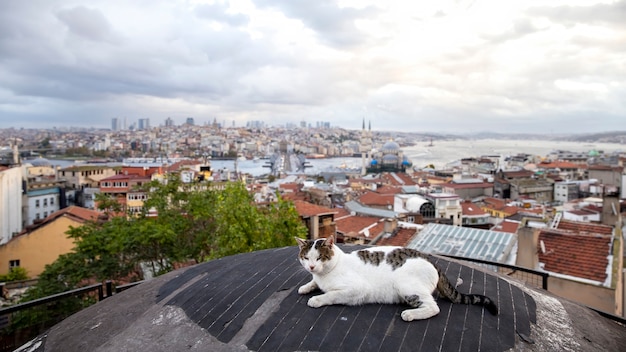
195,222
15,274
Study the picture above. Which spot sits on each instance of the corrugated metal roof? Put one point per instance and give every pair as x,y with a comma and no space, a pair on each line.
359,209
465,242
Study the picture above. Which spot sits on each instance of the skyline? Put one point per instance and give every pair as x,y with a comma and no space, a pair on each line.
452,67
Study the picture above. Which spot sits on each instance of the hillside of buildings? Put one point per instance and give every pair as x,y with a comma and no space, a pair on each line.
559,213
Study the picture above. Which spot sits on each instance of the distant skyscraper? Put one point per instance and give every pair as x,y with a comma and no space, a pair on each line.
144,124
255,124
190,121
115,124
169,122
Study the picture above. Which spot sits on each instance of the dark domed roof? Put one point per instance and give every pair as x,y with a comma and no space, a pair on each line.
249,302
40,162
390,159
391,147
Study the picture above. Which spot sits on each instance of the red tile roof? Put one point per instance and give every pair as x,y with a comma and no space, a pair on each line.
560,165
506,226
373,198
579,255
386,190
306,209
76,213
408,181
341,212
495,203
182,165
355,224
518,174
470,209
289,186
401,238
585,227
125,177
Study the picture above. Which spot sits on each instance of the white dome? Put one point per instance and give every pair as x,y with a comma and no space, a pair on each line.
414,204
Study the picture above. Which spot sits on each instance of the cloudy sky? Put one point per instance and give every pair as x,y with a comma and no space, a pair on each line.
436,66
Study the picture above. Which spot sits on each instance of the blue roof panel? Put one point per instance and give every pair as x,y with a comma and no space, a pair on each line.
466,242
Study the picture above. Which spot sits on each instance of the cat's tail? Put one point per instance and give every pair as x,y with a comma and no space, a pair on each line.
445,287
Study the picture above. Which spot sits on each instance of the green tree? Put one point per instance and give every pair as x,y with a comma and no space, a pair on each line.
195,222
15,274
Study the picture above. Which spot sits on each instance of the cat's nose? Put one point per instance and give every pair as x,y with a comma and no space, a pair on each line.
311,267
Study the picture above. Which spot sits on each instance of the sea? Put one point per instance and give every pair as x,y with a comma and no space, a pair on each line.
438,154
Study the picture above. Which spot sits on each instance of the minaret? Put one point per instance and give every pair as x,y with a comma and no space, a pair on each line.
16,153
365,147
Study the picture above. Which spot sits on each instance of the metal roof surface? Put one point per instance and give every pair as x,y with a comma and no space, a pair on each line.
249,302
465,242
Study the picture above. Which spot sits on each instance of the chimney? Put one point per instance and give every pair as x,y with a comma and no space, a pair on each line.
390,225
611,209
527,246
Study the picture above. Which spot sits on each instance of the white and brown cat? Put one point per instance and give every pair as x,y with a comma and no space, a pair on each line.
378,275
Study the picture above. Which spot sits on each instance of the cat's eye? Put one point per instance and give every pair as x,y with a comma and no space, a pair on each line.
319,258
306,258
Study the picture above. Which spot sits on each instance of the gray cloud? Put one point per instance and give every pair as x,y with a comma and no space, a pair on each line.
219,12
333,24
66,64
87,23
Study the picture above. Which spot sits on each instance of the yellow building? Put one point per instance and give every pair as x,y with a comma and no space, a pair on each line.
44,242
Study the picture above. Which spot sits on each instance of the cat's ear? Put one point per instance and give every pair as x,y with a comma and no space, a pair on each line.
330,241
300,241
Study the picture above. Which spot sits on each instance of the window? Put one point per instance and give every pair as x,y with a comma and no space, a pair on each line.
37,203
37,216
14,263
45,214
51,201
45,202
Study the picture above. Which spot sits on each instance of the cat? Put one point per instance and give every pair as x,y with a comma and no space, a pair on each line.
378,275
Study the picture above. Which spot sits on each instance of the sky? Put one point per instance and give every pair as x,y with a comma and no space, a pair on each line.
422,66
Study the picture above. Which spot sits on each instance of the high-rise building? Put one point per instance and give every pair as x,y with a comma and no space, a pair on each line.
169,122
115,124
144,124
255,124
190,121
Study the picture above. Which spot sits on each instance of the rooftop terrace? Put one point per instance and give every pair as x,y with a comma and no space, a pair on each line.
249,302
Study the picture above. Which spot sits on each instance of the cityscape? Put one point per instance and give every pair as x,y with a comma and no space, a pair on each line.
258,175
519,209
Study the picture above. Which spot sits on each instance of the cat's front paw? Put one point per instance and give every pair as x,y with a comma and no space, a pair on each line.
304,289
315,302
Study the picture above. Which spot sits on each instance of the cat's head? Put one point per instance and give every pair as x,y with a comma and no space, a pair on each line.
316,256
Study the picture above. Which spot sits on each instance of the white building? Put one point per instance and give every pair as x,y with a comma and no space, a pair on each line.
11,216
447,205
42,202
566,191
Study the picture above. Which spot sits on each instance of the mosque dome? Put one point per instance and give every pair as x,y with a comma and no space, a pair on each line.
39,162
390,147
390,159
